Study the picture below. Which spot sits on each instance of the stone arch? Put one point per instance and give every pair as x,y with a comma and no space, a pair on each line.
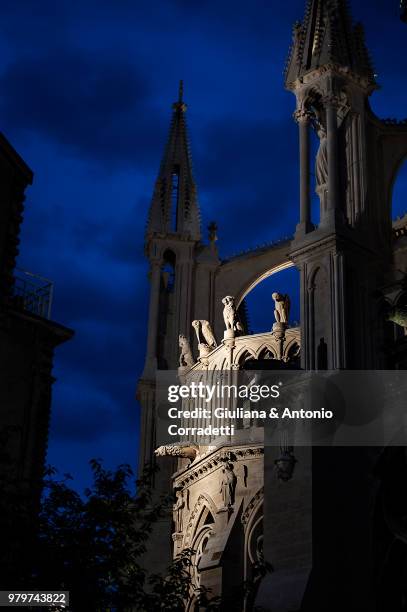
252,506
401,169
292,349
263,349
203,505
244,354
394,153
252,519
238,276
258,278
313,273
199,545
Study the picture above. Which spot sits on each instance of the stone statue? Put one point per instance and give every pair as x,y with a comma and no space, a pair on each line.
228,485
196,325
230,314
185,359
178,512
321,162
208,334
206,330
281,307
185,450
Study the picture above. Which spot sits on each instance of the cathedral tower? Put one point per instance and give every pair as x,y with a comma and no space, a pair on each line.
172,238
344,258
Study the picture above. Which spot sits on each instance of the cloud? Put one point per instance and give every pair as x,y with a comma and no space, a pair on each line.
245,186
86,91
94,106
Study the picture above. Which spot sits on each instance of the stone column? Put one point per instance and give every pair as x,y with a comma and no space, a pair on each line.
339,312
305,225
311,328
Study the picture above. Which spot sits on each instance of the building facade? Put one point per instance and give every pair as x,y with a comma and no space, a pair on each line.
28,338
237,503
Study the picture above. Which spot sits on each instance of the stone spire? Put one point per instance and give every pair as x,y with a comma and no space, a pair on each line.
174,208
327,36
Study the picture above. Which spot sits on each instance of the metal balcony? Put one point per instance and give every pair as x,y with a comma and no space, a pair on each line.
32,293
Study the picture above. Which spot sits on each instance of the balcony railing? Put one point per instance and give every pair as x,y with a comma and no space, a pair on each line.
32,293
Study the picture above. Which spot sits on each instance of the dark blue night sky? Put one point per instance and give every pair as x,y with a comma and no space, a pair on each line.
86,93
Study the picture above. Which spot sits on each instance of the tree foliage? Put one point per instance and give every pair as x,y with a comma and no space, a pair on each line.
93,545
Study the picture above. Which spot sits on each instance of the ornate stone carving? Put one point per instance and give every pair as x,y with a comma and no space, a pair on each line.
230,316
321,162
187,450
228,485
178,511
301,114
204,327
208,334
203,500
185,359
285,464
282,305
212,462
251,505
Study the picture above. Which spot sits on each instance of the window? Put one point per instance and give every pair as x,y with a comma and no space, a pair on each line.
174,198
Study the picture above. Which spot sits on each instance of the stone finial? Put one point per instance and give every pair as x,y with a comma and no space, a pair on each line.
176,162
180,105
212,232
327,35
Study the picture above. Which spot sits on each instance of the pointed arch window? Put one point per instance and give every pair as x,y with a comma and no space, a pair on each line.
174,197
168,271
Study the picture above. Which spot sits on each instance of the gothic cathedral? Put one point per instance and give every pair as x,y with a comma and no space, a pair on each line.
324,520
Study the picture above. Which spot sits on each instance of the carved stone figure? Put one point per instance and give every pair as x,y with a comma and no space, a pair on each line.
185,359
208,334
228,485
281,307
321,162
178,512
196,325
285,464
205,328
186,450
230,314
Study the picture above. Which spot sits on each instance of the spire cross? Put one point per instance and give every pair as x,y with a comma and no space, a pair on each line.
180,105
